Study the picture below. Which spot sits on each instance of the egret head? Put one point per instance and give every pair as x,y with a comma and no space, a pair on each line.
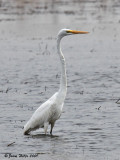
65,32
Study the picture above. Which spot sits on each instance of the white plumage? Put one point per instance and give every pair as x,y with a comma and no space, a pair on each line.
46,114
51,110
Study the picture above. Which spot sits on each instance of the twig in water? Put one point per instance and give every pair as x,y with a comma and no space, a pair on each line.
7,90
98,108
10,144
45,88
39,48
117,101
56,76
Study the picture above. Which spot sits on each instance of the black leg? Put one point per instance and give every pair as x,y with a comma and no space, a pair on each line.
52,125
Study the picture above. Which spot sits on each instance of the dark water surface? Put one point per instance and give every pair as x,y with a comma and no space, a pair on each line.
89,128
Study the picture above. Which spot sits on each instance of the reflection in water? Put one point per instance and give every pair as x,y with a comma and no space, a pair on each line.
43,136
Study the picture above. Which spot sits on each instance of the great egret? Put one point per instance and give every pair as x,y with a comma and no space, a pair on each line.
51,110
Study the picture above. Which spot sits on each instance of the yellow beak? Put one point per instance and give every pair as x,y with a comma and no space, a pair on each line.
77,32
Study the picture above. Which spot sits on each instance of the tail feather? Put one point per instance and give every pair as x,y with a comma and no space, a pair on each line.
26,133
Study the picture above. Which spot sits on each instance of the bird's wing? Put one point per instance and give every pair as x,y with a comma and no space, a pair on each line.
42,114
45,111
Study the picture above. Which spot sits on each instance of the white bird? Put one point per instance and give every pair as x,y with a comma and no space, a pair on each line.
51,110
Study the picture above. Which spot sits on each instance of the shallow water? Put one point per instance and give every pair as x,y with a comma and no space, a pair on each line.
89,128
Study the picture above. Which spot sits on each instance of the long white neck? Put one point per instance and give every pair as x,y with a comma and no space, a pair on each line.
63,81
